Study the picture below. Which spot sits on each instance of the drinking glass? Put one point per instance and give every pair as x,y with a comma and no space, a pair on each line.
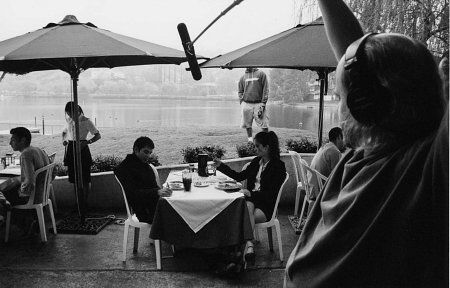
211,170
187,180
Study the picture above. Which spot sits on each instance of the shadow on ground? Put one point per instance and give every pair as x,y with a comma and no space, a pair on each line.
94,261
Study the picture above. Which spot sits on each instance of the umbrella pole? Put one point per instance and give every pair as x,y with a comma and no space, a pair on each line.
78,175
322,75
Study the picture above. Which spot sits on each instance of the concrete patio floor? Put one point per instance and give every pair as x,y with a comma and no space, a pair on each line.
94,261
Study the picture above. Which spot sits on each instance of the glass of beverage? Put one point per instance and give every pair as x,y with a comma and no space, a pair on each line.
187,180
211,170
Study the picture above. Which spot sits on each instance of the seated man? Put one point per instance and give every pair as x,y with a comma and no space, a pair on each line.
139,181
17,190
329,154
327,157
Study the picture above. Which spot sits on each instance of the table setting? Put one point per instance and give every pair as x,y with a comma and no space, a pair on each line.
205,210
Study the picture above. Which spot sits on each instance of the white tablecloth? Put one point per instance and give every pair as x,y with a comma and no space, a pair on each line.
201,204
11,170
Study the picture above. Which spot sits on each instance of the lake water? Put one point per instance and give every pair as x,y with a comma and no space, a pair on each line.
155,113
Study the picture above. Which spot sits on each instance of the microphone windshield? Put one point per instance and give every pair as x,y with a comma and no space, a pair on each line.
189,51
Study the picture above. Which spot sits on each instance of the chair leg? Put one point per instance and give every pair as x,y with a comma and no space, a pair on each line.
280,244
52,215
310,206
303,208
158,254
269,236
52,197
136,239
125,240
297,200
8,225
40,214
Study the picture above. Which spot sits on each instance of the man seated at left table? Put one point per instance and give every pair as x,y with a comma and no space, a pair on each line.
139,180
17,190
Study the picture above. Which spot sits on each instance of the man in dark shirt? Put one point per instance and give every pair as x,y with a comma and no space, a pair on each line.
139,180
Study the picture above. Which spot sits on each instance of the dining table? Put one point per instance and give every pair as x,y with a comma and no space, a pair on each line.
10,171
207,216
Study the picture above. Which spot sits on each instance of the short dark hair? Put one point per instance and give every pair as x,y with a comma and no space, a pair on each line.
22,132
269,139
142,142
334,134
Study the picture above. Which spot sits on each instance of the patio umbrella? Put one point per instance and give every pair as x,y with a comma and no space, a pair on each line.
73,47
303,47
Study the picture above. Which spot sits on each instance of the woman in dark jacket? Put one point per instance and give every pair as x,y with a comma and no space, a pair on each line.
264,175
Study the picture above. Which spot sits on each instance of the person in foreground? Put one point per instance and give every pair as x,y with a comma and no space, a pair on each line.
68,137
265,174
139,180
17,190
382,217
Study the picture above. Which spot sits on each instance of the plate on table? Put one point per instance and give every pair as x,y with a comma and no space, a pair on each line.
200,184
176,185
228,185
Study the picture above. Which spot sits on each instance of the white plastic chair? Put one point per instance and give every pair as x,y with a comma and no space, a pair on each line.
158,181
133,221
273,222
301,179
316,178
37,204
51,158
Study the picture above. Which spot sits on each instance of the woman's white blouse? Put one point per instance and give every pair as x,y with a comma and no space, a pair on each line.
86,126
262,166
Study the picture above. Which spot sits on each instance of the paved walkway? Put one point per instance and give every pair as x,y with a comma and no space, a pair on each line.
93,261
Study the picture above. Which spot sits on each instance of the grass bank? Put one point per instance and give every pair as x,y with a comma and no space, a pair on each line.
169,141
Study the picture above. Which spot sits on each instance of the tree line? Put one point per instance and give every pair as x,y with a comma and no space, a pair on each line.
424,20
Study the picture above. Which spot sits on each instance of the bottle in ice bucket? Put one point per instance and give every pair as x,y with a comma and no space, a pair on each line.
202,165
187,180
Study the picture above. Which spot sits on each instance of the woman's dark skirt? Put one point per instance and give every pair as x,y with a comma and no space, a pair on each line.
86,162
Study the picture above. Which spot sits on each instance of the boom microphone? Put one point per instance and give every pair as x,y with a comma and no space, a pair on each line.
189,51
188,45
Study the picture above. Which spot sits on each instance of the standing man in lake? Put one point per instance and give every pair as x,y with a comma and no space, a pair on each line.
253,91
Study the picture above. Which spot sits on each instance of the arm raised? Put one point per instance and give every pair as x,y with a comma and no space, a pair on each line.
341,25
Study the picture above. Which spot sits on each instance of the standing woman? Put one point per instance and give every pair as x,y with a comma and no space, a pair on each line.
68,137
265,174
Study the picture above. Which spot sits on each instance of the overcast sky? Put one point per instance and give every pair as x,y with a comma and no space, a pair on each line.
156,20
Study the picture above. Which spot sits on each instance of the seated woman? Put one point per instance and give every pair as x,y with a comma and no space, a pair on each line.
264,176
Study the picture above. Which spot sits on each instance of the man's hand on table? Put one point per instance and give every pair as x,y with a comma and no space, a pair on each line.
165,192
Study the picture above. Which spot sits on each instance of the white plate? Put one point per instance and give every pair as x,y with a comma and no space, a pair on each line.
176,185
228,186
201,184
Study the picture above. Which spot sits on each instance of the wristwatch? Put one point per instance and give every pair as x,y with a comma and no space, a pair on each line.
89,141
